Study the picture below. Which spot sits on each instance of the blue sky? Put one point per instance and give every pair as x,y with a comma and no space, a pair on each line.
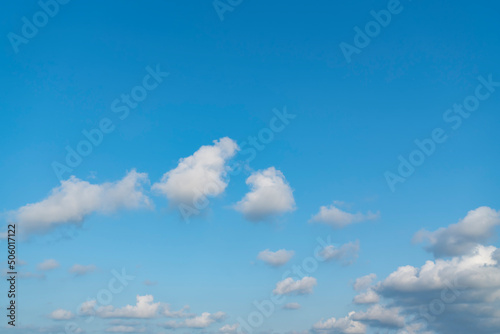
351,118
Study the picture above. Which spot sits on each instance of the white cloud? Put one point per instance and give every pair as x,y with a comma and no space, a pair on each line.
291,306
465,290
289,286
333,216
182,313
344,325
61,314
229,329
270,194
49,264
380,316
202,321
125,329
75,199
367,297
199,175
460,238
80,270
278,258
364,282
347,253
144,308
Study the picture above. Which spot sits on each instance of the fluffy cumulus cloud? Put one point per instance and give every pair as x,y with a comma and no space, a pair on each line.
61,314
346,254
276,259
79,269
49,264
458,239
202,321
335,217
291,286
270,195
344,325
198,176
75,199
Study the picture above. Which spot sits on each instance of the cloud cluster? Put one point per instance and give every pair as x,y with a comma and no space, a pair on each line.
456,294
276,259
270,195
335,217
75,199
147,308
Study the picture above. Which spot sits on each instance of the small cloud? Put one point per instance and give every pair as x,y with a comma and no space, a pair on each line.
346,254
199,322
367,297
149,283
229,329
291,306
290,286
80,270
61,314
49,264
364,282
276,259
335,217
